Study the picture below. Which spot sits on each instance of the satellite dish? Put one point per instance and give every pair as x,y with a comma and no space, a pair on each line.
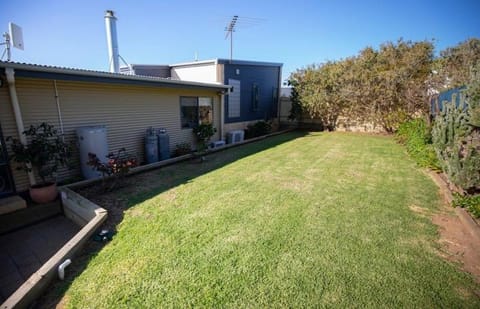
13,37
16,35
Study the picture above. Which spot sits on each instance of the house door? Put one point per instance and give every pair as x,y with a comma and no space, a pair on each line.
6,180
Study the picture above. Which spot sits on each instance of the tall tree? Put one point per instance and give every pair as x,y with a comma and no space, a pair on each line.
384,87
455,65
320,92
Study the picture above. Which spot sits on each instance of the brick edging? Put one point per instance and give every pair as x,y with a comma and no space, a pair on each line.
472,226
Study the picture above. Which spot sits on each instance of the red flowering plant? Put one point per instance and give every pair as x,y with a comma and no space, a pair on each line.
115,169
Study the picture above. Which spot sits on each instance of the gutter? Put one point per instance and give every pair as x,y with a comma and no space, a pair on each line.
10,74
118,76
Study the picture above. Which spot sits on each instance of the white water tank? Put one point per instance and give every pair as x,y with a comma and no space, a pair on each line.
92,139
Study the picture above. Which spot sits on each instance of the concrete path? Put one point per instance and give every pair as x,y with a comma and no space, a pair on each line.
22,252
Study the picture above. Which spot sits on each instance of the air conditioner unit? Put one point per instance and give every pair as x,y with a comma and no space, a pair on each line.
235,136
217,144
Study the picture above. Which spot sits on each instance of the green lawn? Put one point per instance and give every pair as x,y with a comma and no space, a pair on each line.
297,220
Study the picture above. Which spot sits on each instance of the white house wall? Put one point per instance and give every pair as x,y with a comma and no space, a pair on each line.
126,110
206,73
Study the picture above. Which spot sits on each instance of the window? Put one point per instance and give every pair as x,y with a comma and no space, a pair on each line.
205,110
195,111
255,99
234,99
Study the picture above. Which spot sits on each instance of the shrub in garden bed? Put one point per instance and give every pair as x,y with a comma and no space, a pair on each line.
456,139
258,129
183,149
114,169
415,135
469,202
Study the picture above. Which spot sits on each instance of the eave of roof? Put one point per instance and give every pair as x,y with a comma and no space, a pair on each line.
193,63
35,70
227,61
248,62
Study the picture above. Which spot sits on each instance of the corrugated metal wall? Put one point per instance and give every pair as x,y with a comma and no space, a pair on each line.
266,79
126,111
9,127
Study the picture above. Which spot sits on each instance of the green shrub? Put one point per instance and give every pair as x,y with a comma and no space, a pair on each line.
415,135
457,143
115,169
204,133
258,129
183,149
469,202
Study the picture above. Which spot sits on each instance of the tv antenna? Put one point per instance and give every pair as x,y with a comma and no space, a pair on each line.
13,37
230,30
242,22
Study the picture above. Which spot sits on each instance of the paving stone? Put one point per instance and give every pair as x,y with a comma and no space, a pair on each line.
22,252
26,270
7,265
11,204
10,283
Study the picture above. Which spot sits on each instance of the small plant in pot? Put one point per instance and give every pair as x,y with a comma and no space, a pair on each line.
43,154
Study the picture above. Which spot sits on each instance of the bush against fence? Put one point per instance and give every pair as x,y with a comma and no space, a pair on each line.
381,87
456,138
416,136
384,87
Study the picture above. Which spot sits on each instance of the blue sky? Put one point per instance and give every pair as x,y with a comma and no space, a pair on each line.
296,33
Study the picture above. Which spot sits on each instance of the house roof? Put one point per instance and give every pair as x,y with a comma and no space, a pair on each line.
136,65
227,61
63,73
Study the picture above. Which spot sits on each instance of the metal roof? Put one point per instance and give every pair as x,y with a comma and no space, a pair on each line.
107,75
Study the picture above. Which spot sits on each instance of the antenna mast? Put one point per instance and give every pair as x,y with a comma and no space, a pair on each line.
230,29
7,46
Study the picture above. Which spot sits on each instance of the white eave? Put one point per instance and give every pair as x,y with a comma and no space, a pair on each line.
187,64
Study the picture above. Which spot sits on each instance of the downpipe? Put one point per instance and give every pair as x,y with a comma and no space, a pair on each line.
10,74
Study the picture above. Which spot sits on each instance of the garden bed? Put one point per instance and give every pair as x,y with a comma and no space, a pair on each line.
84,213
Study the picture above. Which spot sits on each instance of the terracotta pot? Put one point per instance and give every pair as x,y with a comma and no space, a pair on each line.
42,194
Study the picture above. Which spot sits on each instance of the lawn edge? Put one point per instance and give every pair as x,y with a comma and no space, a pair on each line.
466,219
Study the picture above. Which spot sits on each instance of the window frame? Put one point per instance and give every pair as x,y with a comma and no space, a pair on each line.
234,100
255,97
197,120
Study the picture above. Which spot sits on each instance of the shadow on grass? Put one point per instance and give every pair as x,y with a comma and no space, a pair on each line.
181,173
146,185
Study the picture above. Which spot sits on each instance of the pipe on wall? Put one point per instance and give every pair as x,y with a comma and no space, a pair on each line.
59,112
279,91
10,74
222,116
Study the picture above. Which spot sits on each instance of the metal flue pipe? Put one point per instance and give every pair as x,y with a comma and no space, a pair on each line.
112,42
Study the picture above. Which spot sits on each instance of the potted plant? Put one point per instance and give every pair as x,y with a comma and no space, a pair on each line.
43,154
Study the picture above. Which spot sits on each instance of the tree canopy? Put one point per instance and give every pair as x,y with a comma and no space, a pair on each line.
383,86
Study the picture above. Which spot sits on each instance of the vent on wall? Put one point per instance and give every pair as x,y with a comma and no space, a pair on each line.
235,136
